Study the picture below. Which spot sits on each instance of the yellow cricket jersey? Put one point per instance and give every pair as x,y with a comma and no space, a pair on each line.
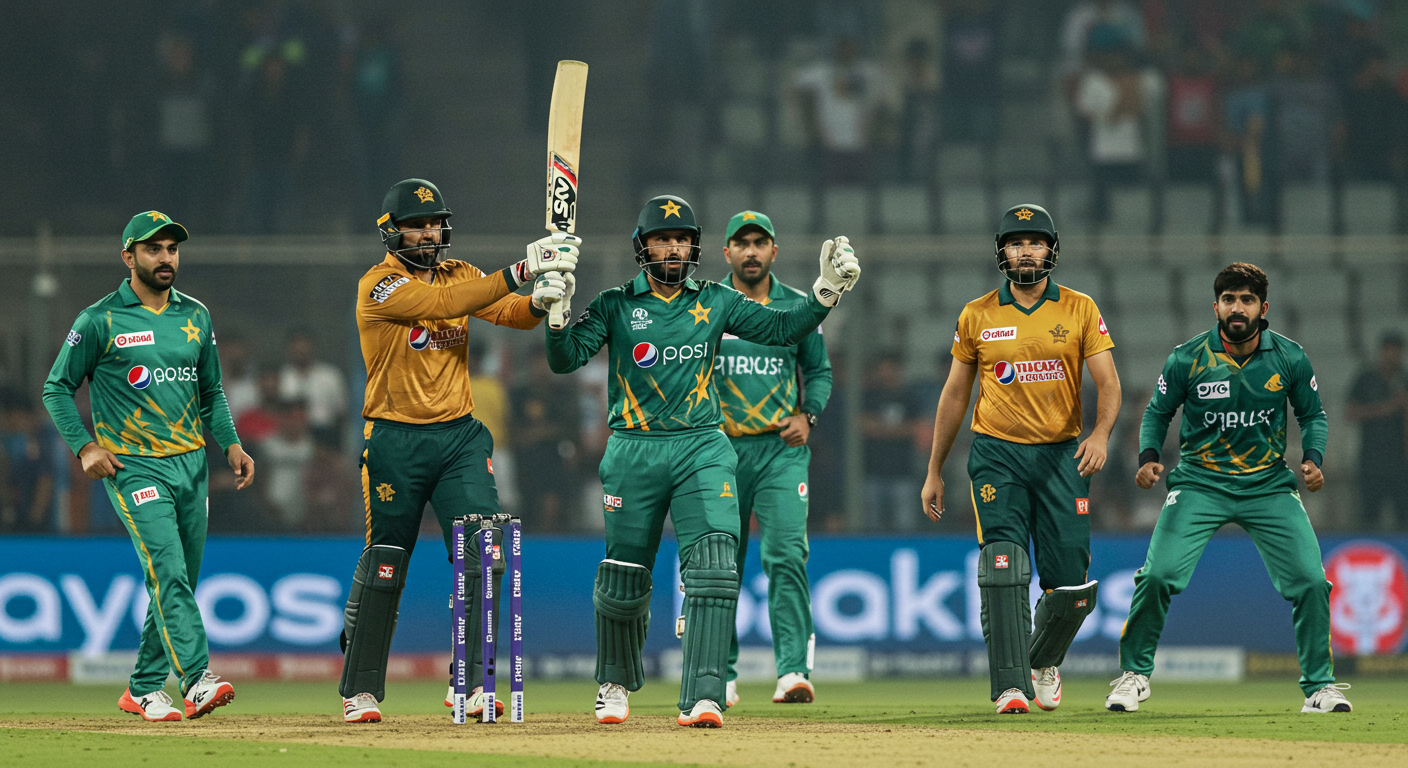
414,336
1030,361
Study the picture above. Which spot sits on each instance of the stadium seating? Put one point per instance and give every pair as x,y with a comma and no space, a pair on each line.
1369,209
845,210
905,210
1305,209
965,210
790,206
1188,209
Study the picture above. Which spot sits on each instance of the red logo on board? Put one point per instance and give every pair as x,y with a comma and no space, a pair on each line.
1369,602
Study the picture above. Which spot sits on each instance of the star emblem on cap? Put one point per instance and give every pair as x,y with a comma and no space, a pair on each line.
750,216
1024,214
671,208
700,312
425,195
157,215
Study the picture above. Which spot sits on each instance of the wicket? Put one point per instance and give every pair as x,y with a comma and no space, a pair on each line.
484,545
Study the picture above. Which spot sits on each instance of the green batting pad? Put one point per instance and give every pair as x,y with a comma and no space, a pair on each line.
711,584
1059,615
622,601
1004,574
369,620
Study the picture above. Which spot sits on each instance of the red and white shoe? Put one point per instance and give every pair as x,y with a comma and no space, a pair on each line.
474,702
706,714
1012,702
612,704
155,707
793,688
208,693
1047,682
361,708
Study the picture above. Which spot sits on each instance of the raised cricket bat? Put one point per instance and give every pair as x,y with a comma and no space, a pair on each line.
569,92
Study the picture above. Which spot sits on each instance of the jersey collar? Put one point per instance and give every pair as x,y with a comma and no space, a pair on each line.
1215,340
641,285
129,296
1052,293
776,291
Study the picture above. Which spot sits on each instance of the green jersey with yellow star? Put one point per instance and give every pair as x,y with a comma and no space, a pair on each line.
154,377
662,351
758,384
1233,436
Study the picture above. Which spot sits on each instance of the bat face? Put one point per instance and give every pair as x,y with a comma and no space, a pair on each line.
562,195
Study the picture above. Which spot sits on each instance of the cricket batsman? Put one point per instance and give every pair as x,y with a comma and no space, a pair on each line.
1026,344
1233,383
771,397
422,442
667,454
148,353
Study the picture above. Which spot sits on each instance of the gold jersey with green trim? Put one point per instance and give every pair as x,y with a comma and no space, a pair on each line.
154,377
759,384
662,351
1233,432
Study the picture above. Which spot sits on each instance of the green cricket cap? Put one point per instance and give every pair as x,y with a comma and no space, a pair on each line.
144,225
749,218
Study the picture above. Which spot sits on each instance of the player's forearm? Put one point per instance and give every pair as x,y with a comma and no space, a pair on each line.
64,413
816,374
1153,428
947,419
215,412
565,355
1107,410
513,312
1314,433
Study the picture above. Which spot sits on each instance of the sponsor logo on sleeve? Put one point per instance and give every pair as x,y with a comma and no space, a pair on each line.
611,502
802,490
995,334
134,339
144,495
386,571
1103,330
1162,385
388,285
1313,385
74,337
1214,390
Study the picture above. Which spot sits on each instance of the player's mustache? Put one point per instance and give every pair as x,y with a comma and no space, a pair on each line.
1237,318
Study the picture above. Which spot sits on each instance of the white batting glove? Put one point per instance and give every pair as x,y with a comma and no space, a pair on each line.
549,289
839,271
555,253
560,312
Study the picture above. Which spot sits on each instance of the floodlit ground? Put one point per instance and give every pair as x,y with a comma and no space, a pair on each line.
886,724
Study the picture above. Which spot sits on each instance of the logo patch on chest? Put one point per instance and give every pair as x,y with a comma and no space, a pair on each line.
423,338
995,334
134,339
1214,390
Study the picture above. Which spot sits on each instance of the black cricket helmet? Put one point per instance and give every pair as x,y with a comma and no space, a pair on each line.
666,212
408,200
1027,219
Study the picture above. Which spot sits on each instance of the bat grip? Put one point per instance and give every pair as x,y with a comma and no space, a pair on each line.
557,318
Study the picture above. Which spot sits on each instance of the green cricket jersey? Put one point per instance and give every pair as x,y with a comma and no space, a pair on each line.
1233,436
154,377
758,383
662,351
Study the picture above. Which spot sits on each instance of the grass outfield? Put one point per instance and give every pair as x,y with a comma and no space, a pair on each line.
899,722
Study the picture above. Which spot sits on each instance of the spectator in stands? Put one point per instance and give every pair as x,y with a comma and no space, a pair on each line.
1375,126
1122,18
546,428
1270,28
971,90
1194,118
1305,115
1115,98
28,468
238,374
183,129
319,385
491,409
1378,402
333,493
1247,144
889,419
288,453
919,114
261,419
844,102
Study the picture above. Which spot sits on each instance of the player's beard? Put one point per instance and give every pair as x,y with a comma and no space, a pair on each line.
154,278
756,278
1251,326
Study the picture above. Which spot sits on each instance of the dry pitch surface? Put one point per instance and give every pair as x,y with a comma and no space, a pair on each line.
887,723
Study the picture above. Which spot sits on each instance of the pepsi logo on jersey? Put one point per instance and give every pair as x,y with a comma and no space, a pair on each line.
646,354
421,338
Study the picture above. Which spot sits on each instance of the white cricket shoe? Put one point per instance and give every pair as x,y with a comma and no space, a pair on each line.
706,714
1328,699
1047,682
793,688
1012,702
361,708
208,693
611,704
154,707
1130,689
731,694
